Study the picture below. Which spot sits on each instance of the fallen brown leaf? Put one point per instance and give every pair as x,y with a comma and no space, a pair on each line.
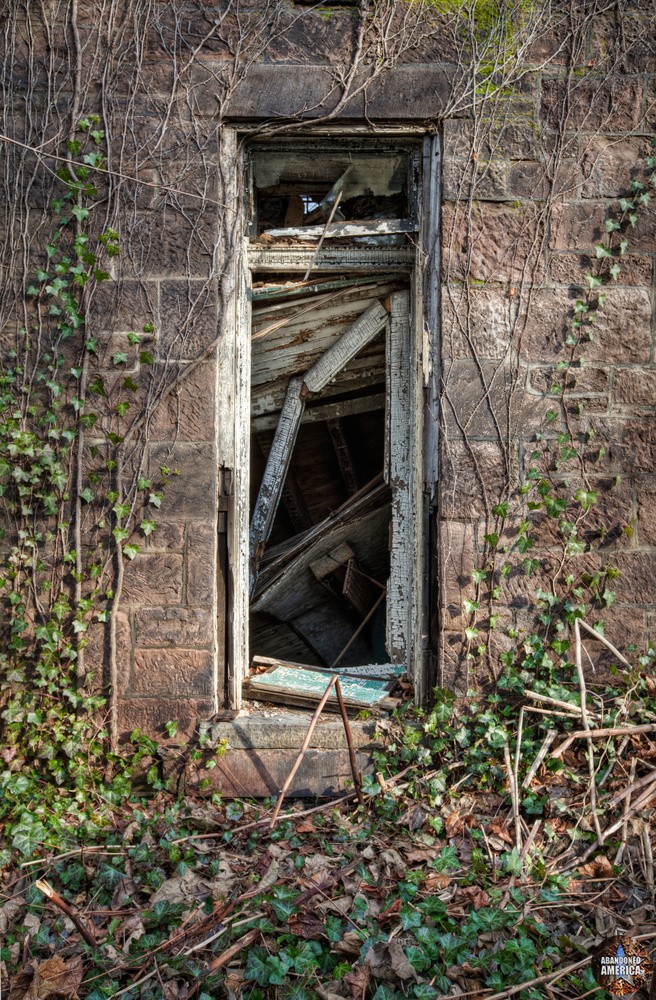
600,867
473,895
52,977
498,827
437,880
358,981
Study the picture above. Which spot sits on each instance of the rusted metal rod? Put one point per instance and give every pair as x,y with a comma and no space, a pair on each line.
306,742
357,778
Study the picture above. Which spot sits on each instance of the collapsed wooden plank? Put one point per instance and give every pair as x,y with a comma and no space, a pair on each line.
358,335
327,411
375,671
296,684
336,230
275,472
277,259
305,548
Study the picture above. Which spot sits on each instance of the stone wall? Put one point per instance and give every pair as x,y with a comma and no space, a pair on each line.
526,187
551,176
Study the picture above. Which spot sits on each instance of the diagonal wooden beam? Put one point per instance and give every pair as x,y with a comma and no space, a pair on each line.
358,335
275,473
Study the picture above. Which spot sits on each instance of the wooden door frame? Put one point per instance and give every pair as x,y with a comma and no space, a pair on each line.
233,396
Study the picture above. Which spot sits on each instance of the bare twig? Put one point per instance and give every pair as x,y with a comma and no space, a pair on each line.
62,905
542,753
625,811
323,235
599,734
514,796
592,787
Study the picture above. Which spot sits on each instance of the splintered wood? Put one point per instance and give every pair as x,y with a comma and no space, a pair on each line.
356,337
296,684
275,472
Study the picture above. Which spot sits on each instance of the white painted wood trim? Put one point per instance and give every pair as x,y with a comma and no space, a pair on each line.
239,660
330,258
342,229
404,468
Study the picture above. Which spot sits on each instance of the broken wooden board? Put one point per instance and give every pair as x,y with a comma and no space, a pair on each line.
276,470
273,293
374,671
279,259
339,230
365,328
300,685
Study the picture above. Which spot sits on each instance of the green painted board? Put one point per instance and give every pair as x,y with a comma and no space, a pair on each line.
312,684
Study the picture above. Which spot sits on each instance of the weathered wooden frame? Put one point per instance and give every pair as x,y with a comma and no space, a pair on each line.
415,515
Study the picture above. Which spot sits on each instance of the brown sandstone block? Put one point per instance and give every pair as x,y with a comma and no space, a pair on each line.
189,313
456,672
528,179
481,399
458,546
187,413
333,34
622,332
572,268
631,37
646,505
262,773
97,650
476,322
609,165
472,475
166,538
189,495
485,180
635,386
165,242
153,579
201,564
579,381
184,627
122,306
577,226
643,236
172,673
637,583
595,103
151,714
498,244
503,138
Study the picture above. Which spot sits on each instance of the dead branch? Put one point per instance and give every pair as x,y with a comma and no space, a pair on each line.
62,905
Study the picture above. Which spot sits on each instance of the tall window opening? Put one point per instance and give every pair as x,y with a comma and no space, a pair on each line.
335,536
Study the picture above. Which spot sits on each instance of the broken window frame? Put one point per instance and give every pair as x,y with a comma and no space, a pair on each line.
421,262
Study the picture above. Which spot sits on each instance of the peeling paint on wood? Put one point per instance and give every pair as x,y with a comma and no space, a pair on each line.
344,229
328,411
356,337
280,259
276,470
